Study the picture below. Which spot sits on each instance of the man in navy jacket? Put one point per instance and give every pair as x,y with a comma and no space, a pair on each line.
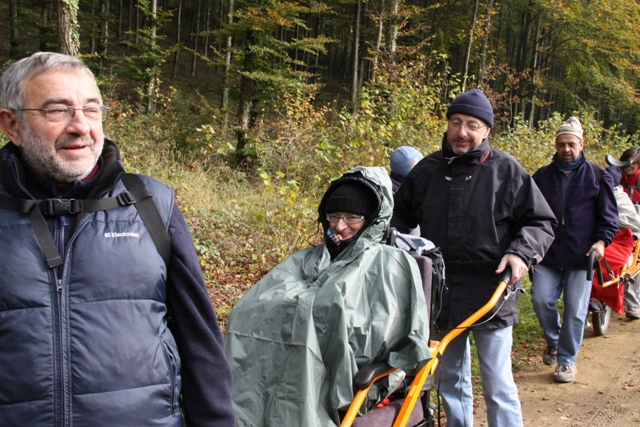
582,198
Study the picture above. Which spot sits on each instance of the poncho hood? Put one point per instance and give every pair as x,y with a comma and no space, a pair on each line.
377,180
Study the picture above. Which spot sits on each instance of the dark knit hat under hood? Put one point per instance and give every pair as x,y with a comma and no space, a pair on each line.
352,197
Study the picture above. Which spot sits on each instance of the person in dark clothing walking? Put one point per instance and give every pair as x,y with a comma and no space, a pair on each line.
486,214
84,331
582,198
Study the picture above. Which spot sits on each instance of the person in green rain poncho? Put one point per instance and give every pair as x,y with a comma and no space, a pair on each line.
297,338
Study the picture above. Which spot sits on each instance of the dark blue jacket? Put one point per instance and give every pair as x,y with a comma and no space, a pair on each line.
87,344
589,213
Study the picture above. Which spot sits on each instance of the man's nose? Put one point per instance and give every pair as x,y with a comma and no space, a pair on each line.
340,225
79,124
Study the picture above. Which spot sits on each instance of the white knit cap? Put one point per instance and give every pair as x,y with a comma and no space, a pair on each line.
571,127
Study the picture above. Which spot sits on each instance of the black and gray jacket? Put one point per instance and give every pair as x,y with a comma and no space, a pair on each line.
476,207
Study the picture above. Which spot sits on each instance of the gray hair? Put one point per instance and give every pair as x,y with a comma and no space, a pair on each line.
15,78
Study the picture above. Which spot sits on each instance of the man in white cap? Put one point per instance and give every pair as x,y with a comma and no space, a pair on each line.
582,198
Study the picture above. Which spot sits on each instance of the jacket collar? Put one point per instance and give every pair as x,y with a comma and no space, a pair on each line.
581,161
473,157
22,181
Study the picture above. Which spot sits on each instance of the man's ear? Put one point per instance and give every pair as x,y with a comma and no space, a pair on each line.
10,125
487,132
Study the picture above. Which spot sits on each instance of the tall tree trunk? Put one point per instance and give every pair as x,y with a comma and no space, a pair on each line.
195,40
68,27
393,30
178,45
104,33
246,95
534,73
362,50
152,77
224,102
44,25
130,29
120,18
378,40
137,32
14,29
485,44
353,95
471,35
92,39
206,29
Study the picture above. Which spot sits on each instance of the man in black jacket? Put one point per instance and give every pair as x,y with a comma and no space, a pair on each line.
486,214
84,337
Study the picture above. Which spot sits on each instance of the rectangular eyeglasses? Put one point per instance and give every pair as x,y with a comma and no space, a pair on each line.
66,113
351,219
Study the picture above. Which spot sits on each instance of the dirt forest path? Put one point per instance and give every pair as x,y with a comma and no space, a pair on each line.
606,392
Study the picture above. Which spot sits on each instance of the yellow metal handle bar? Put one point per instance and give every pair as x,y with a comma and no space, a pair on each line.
631,270
358,399
429,369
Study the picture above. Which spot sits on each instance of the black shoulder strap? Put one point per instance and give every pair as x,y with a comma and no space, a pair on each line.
150,216
137,194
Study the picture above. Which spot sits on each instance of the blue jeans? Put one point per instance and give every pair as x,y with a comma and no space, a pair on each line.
548,284
452,379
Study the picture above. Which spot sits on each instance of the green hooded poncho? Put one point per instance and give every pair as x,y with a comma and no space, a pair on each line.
297,338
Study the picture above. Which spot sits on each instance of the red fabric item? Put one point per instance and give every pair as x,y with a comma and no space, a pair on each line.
384,403
631,181
617,254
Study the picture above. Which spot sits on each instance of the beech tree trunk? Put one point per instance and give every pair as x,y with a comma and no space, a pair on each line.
393,29
224,102
353,95
68,27
378,40
178,45
246,95
471,35
13,28
485,44
195,40
152,77
104,32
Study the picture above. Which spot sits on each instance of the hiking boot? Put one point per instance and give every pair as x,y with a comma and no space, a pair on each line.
549,355
633,315
565,373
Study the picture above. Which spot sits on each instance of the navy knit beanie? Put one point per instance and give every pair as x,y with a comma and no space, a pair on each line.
351,197
473,103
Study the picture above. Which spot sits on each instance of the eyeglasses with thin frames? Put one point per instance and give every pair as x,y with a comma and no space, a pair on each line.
457,124
66,113
351,219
